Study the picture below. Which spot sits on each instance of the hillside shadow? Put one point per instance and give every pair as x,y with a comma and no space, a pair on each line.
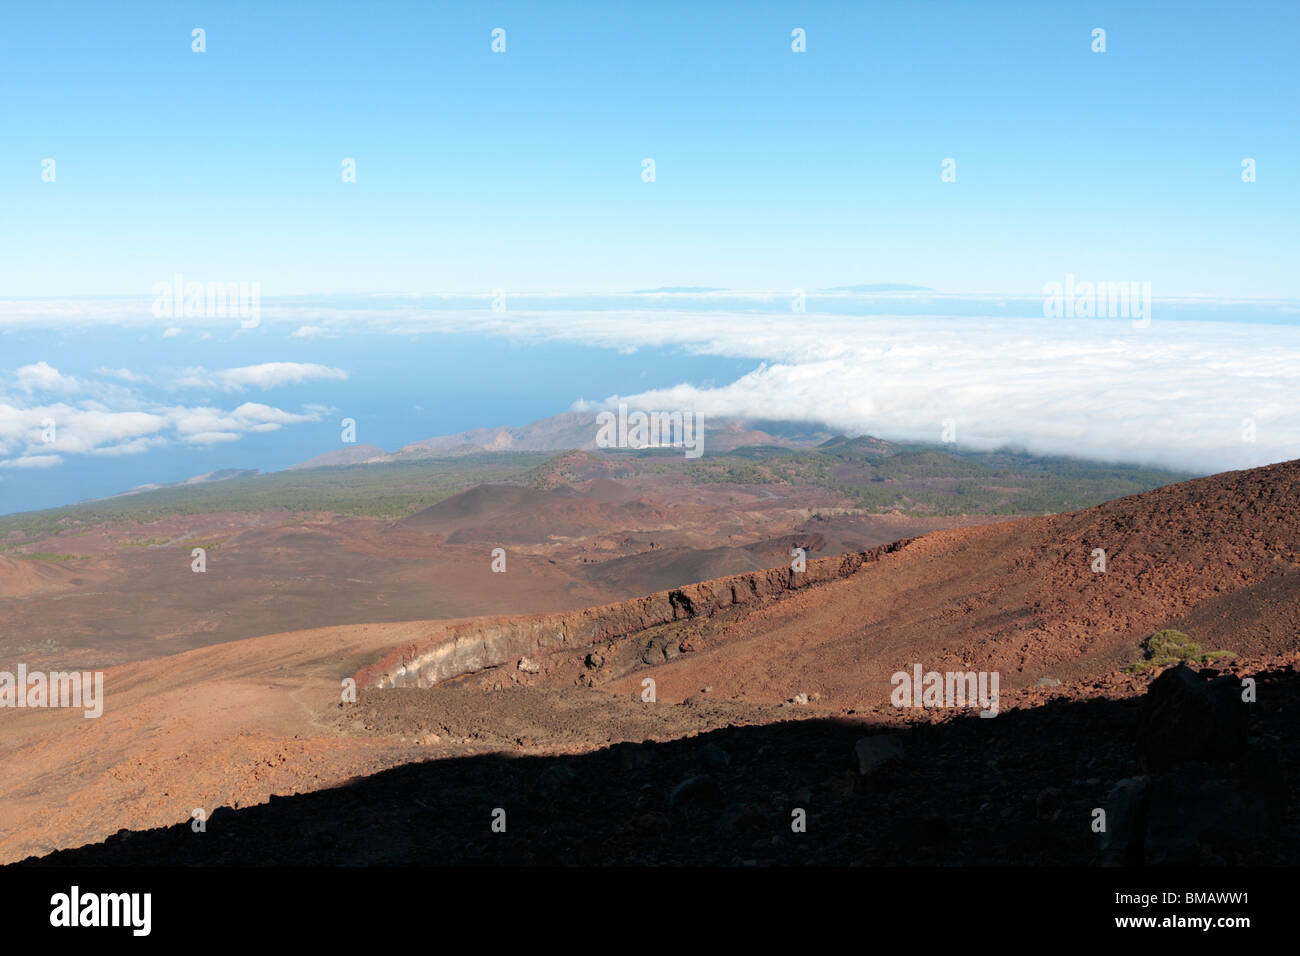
1017,789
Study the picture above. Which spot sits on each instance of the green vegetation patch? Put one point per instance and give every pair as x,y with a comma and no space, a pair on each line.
1169,646
388,490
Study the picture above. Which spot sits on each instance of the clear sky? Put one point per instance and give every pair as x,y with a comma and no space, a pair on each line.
774,169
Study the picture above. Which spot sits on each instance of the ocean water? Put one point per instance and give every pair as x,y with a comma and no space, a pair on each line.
399,389
136,398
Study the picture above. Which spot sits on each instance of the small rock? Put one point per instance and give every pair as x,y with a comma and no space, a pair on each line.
529,667
595,660
633,756
799,699
652,821
699,789
221,816
874,752
1047,682
733,817
556,778
1121,842
711,755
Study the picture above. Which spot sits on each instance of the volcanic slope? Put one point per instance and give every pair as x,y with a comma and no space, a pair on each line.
1217,557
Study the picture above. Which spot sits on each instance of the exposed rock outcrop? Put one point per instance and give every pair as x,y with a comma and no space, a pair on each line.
474,645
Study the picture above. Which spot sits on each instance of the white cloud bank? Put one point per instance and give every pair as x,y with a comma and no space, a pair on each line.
43,377
1199,395
1196,395
1193,395
39,433
264,376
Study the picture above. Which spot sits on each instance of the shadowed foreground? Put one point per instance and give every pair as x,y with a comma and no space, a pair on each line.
1020,788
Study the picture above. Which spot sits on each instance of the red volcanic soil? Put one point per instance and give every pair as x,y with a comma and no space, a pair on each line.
142,602
128,592
609,490
20,579
1217,557
231,725
495,514
724,787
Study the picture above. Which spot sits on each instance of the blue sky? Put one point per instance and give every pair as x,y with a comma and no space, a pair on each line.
522,171
774,170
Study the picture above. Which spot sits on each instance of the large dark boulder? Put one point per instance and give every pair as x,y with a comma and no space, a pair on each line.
1186,718
1197,816
1126,821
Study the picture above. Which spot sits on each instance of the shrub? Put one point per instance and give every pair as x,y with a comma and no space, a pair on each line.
1169,646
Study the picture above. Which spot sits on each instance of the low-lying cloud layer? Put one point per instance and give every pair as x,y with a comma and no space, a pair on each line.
47,415
1198,395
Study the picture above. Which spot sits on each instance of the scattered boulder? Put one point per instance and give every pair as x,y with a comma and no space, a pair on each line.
529,666
1047,803
1185,718
1206,800
711,755
1121,841
1195,808
652,821
694,790
735,816
556,778
874,752
633,756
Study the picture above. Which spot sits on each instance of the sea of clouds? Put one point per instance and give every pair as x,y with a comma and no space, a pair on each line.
1194,394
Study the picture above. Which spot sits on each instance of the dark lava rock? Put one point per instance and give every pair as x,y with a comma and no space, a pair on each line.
699,789
555,779
633,756
735,816
1194,809
1126,810
1185,718
711,755
873,752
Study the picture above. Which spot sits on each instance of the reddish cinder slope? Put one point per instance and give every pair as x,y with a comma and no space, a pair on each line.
231,724
1218,557
27,578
